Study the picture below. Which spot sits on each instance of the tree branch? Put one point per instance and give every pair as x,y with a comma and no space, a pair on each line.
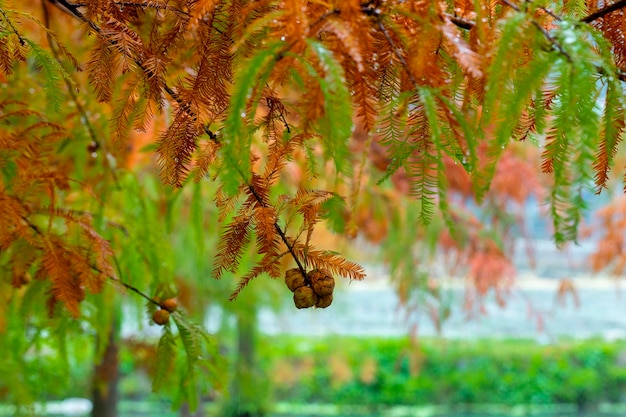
620,4
604,11
130,287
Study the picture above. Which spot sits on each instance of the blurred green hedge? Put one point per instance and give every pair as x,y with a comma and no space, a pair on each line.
342,370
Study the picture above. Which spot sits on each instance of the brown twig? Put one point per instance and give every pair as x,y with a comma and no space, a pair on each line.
134,289
469,24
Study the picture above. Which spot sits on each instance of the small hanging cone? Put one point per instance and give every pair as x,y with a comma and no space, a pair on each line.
161,317
325,301
171,304
322,282
294,279
304,297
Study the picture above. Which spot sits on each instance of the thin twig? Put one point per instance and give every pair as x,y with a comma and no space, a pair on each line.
324,17
134,289
6,19
95,268
469,24
281,233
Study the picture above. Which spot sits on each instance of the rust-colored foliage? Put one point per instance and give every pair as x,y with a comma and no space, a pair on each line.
39,235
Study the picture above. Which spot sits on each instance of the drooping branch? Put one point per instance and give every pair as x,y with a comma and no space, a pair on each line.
73,9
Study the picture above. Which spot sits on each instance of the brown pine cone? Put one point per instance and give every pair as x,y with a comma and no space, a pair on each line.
304,297
171,304
325,301
161,317
322,282
294,279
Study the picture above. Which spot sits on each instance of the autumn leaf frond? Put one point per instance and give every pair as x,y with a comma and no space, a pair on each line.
101,67
206,155
57,264
329,260
176,147
243,282
232,242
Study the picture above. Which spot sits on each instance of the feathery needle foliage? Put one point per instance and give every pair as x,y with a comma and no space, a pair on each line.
275,102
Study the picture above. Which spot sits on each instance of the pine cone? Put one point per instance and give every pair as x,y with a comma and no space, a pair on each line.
294,279
304,297
325,301
161,317
322,282
171,304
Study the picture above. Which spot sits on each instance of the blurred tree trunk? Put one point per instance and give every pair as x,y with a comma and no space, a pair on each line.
248,393
106,376
186,412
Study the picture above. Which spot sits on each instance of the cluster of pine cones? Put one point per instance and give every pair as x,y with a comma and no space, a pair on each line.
314,290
